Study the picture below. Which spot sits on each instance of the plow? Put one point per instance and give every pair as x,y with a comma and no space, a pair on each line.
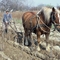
18,35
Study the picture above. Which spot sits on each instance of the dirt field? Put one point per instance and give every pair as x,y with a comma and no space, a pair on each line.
10,50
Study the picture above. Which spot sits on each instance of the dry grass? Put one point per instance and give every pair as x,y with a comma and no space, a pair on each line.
16,14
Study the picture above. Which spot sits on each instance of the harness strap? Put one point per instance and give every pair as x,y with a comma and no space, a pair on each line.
41,25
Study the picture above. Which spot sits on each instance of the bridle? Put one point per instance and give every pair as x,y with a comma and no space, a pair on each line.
53,21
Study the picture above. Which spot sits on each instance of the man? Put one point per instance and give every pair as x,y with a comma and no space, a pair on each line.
6,19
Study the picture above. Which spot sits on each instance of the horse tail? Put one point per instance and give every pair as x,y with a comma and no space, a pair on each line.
23,19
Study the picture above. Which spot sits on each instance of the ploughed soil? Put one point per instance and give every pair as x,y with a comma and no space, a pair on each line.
11,50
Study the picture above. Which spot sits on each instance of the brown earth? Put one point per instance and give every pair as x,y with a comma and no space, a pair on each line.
11,51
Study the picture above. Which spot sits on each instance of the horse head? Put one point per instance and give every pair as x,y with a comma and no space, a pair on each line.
55,17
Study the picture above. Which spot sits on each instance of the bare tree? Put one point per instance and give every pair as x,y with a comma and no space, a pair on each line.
17,5
12,4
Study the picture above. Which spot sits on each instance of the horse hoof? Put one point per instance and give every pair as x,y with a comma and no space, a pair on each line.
38,48
43,45
48,48
26,43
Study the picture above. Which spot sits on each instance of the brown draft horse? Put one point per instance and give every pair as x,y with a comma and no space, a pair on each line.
40,23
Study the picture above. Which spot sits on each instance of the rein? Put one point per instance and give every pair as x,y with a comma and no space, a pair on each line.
38,24
56,26
42,25
15,30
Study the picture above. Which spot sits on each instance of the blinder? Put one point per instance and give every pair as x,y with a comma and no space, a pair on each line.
52,16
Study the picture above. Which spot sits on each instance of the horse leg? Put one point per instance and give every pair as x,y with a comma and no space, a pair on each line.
30,42
32,45
47,37
6,27
26,36
30,39
38,40
47,45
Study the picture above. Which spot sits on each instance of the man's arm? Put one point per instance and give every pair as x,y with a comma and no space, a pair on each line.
4,17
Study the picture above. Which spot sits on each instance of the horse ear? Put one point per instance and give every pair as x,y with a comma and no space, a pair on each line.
53,9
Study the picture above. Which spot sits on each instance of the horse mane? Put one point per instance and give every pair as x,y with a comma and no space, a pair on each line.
46,11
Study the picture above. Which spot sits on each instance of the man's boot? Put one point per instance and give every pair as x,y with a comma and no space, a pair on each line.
5,30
